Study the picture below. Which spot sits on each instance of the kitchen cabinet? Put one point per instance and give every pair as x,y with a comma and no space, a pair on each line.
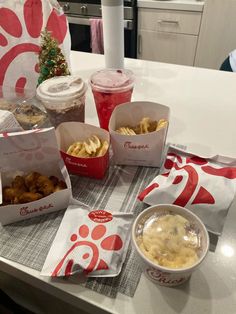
168,35
217,35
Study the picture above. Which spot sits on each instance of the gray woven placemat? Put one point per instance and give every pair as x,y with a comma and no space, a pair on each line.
28,242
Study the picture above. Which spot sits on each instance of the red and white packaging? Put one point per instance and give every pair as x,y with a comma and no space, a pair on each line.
70,132
206,186
22,153
143,149
93,243
21,25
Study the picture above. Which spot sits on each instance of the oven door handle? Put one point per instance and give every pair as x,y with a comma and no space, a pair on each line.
128,24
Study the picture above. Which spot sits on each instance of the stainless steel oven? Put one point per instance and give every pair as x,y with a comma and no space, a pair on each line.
80,11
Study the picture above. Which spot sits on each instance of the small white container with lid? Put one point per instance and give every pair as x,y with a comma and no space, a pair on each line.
64,98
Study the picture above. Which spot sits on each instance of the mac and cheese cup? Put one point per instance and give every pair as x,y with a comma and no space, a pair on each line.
171,243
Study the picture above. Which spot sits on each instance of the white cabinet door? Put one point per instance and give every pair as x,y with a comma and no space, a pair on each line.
170,21
167,47
217,34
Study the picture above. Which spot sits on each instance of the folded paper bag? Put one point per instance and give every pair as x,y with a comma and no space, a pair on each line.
205,186
89,242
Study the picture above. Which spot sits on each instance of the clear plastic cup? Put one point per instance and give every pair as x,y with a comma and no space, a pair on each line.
110,88
63,98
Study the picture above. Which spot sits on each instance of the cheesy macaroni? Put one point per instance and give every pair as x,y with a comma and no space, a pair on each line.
169,241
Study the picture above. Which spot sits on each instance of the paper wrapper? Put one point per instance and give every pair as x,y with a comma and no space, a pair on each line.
93,243
206,186
71,132
8,122
22,153
142,149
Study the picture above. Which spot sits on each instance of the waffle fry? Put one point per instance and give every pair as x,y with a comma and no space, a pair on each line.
126,131
162,123
74,148
91,147
93,144
146,125
103,149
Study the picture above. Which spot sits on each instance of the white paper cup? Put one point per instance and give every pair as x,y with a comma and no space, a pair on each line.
163,275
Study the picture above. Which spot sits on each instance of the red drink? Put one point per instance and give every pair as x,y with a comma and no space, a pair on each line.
110,88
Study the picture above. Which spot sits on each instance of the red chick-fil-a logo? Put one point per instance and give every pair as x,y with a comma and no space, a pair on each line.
164,278
75,163
131,145
100,216
25,210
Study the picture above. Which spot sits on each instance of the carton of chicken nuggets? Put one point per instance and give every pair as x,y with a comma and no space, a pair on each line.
138,133
84,148
34,179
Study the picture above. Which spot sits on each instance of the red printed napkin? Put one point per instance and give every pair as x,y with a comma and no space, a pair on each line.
205,186
90,242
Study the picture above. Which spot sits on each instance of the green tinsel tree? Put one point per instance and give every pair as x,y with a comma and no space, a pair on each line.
51,59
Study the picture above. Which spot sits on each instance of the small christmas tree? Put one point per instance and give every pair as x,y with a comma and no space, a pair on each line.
51,59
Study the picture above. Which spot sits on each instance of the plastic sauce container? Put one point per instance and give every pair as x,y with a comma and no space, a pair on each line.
110,88
63,98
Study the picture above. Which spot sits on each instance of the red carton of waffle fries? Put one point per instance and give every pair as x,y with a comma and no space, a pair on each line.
34,179
138,133
84,148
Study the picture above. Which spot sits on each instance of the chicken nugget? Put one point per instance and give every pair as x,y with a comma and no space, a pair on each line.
60,186
44,185
54,180
19,183
11,195
8,195
30,181
27,197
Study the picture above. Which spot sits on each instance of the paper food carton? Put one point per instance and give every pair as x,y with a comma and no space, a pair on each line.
72,132
142,149
8,122
21,154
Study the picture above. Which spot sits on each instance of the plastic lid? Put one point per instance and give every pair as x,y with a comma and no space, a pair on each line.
112,80
169,241
61,88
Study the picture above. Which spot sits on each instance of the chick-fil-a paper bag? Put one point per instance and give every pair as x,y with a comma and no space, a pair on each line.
90,242
205,186
21,23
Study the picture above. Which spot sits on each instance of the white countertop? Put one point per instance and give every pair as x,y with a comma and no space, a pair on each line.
186,5
203,111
